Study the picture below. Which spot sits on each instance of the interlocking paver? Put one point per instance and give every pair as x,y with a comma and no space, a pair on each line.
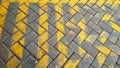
59,34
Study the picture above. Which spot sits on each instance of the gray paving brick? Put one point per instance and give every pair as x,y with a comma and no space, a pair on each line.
95,64
4,52
93,35
118,61
75,48
68,38
85,62
82,11
108,9
33,48
114,36
52,29
51,9
116,18
105,26
77,17
75,57
30,38
98,9
113,47
117,66
32,15
87,17
111,60
89,48
51,14
52,52
97,17
29,62
53,40
2,64
89,9
33,26
53,64
95,27
118,43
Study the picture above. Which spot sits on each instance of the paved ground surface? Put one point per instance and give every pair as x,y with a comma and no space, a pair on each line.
59,34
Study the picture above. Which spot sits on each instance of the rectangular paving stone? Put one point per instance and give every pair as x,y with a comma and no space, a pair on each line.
53,40
117,66
95,27
68,52
113,47
86,61
75,47
68,38
111,60
118,61
89,48
12,21
52,51
34,50
2,64
105,26
4,51
87,17
114,36
30,38
97,17
29,62
92,37
118,43
89,9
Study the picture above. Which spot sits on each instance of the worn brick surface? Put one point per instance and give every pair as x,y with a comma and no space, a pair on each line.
59,34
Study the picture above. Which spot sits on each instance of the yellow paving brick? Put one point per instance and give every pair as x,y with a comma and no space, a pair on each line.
82,36
106,17
101,59
71,64
62,48
61,60
103,49
12,63
18,50
43,63
103,37
115,26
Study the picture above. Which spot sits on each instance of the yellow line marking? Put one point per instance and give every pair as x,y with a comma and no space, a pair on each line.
3,11
45,59
61,47
16,48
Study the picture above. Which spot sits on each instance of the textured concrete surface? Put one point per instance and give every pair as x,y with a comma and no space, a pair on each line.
59,34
